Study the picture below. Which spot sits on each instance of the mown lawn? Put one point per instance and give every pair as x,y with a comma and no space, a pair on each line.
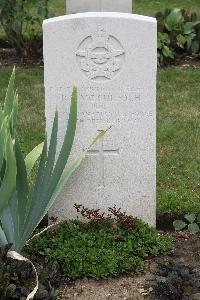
178,131
31,122
146,7
178,140
150,7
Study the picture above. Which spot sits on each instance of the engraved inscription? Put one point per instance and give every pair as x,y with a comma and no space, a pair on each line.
97,94
116,117
100,56
101,152
105,105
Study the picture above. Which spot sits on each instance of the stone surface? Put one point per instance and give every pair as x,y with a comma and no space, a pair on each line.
111,58
78,6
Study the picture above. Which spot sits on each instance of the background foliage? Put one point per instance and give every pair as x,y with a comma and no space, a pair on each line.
178,34
22,24
178,30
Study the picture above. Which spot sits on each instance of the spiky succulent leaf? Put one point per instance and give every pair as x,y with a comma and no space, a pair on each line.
51,172
10,95
32,157
8,180
20,210
3,239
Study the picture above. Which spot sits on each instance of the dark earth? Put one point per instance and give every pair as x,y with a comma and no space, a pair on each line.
10,58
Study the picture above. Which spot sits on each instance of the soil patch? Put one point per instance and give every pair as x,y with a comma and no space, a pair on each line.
131,287
9,58
188,62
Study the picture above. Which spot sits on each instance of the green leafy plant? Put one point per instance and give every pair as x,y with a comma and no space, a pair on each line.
165,53
21,210
174,281
191,223
178,34
106,245
22,24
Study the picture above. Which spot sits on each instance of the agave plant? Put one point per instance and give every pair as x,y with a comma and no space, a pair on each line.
21,210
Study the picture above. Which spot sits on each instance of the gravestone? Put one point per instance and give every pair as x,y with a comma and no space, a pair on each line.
78,6
111,58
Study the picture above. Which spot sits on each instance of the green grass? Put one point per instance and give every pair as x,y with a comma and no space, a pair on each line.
31,122
58,7
178,131
150,7
145,7
178,140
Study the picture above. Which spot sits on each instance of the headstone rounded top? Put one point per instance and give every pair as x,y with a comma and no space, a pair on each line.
101,15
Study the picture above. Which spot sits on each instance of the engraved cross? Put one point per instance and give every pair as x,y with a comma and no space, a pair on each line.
101,152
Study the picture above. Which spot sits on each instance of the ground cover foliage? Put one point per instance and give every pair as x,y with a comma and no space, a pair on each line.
107,245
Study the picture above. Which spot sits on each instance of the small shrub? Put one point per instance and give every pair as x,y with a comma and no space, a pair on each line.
175,281
178,34
165,53
103,248
22,24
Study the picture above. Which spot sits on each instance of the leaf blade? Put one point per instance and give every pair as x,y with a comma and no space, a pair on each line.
190,217
32,157
193,228
9,180
179,225
9,99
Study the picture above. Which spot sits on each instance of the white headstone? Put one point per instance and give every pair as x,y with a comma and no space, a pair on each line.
78,6
111,58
